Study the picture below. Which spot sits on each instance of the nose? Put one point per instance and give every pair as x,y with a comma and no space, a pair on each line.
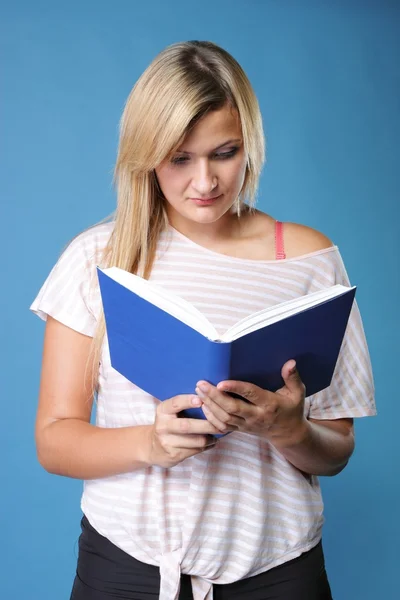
204,180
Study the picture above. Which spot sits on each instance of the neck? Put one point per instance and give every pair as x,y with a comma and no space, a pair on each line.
226,228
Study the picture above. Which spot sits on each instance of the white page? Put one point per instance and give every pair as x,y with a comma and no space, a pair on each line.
188,314
273,314
167,301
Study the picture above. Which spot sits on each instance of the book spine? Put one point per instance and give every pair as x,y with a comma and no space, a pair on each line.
219,361
214,368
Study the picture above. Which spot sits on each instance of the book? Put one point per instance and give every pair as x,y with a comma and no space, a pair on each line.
164,345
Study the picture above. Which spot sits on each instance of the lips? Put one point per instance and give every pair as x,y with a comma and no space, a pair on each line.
205,201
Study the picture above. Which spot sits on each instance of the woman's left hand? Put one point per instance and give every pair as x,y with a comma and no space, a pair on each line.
277,416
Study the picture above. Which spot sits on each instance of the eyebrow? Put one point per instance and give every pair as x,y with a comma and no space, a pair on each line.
215,149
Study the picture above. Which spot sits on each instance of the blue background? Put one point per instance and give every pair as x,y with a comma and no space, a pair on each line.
328,80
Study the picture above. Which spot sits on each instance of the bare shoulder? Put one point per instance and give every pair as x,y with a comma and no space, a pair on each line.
260,229
300,239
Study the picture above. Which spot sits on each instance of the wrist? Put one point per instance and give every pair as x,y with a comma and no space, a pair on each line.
292,436
144,445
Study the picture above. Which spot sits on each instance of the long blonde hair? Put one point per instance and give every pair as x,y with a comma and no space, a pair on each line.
182,84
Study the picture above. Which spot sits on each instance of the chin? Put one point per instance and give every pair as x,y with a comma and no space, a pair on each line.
208,214
201,214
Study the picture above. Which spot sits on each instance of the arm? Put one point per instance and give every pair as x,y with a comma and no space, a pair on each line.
67,444
314,447
321,447
318,447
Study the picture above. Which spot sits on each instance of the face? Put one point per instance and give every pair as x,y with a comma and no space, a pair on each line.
204,177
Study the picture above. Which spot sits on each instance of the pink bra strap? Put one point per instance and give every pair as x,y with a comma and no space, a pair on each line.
279,247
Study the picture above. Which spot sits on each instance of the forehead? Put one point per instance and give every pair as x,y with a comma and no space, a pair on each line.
212,130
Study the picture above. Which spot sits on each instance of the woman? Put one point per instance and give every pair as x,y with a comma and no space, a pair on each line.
170,512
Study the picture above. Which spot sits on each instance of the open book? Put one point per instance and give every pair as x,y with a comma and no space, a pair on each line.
164,345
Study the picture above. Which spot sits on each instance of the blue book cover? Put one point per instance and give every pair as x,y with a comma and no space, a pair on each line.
165,357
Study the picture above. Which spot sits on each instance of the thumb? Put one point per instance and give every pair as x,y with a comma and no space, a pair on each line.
291,377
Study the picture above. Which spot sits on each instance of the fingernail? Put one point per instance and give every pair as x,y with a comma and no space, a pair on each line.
203,387
200,393
196,401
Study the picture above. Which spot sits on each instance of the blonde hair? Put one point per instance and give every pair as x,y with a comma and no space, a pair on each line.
183,83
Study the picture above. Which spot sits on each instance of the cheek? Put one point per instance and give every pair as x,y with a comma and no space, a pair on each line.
170,181
237,175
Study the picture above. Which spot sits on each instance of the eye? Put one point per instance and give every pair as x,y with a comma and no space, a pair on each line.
227,154
183,160
179,160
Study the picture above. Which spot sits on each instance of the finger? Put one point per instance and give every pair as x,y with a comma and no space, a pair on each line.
223,426
192,427
176,404
191,442
250,392
226,402
225,414
291,377
231,405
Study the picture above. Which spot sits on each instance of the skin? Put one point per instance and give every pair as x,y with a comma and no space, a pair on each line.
210,162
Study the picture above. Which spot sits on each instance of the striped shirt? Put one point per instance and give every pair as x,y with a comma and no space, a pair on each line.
240,508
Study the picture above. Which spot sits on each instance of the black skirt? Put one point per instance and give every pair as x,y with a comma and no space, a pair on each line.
104,571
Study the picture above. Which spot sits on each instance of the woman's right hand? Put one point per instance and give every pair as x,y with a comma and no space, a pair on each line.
174,438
